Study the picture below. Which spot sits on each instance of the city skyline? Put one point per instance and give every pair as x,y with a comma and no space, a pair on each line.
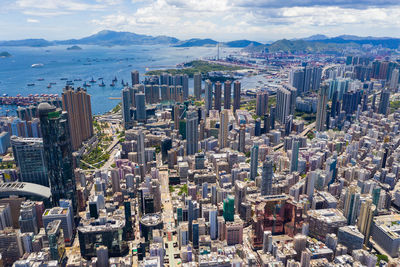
262,21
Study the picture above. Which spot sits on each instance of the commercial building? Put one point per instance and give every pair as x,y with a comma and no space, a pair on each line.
64,215
29,156
325,221
57,152
386,233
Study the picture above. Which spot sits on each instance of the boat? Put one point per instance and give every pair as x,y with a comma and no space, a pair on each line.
49,86
115,79
69,83
40,79
64,79
122,82
92,80
37,65
100,78
102,84
52,83
77,80
31,84
112,84
85,84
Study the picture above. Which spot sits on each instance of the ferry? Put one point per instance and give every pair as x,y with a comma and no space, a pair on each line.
102,84
37,65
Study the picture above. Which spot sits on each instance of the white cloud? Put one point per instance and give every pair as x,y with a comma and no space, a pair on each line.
32,21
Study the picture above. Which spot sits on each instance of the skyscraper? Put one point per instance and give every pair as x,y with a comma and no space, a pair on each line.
126,108
208,96
266,177
223,129
191,133
294,162
197,85
213,223
236,95
78,106
262,103
253,162
57,152
135,77
227,94
364,221
351,204
282,104
140,107
384,102
29,156
242,138
394,80
321,107
217,96
141,148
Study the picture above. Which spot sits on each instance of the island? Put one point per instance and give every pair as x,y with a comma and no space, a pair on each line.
4,54
196,66
74,47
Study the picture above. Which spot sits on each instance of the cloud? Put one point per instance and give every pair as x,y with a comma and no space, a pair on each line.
32,20
357,4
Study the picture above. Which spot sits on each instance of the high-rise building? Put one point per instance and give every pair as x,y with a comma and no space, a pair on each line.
126,108
208,96
27,218
29,156
213,213
64,215
78,106
192,133
394,80
262,103
294,163
140,107
10,246
384,102
55,236
223,129
135,77
242,138
141,150
236,95
197,85
285,103
57,152
296,79
240,194
351,204
365,218
229,209
227,94
253,162
102,256
321,107
217,96
266,177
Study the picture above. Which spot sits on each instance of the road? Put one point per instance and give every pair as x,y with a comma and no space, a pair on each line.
303,133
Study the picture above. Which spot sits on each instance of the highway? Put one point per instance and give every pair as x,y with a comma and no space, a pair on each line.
303,133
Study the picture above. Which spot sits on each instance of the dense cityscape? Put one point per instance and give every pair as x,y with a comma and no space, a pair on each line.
301,170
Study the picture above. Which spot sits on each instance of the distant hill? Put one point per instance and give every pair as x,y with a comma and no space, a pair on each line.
27,42
314,43
74,47
242,43
196,42
108,38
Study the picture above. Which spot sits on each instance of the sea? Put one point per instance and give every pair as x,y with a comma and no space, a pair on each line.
57,62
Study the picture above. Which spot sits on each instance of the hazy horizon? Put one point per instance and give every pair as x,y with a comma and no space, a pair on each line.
223,20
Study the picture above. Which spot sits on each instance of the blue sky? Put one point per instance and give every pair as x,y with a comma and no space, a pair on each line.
223,20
